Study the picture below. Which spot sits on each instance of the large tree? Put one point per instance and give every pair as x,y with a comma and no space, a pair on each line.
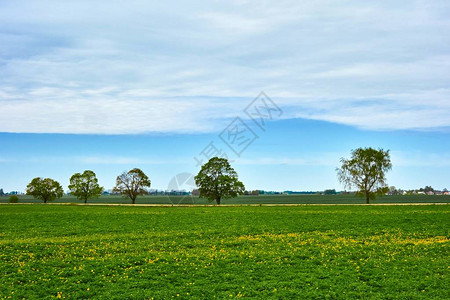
366,170
132,184
85,186
218,180
45,189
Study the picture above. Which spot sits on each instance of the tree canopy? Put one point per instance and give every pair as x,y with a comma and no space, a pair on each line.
132,184
45,189
85,186
217,180
366,170
427,189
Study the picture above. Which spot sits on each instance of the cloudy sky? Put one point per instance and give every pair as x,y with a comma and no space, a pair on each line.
111,85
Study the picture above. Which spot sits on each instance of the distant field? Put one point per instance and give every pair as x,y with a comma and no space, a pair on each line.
262,199
117,252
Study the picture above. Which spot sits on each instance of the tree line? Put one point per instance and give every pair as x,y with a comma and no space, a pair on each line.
84,186
365,170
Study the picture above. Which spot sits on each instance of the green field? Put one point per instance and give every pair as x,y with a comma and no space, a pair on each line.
122,252
261,199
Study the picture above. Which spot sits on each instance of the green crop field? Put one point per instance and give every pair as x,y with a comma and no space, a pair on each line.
122,252
261,199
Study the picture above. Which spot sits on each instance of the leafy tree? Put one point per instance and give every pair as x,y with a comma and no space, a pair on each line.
218,180
1,193
132,184
13,199
45,189
330,192
85,186
366,170
427,189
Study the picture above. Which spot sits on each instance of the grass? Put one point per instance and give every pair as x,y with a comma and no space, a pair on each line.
118,252
261,199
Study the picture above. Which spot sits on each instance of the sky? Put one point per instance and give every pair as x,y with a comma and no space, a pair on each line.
113,85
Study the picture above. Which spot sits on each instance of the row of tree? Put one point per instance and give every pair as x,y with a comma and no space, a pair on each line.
85,186
217,180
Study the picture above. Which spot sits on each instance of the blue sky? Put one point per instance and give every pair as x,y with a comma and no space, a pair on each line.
112,85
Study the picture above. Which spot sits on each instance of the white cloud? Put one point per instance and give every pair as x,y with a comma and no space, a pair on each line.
78,67
235,24
105,116
424,110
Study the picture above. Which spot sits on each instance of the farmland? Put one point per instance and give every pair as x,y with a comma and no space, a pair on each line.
77,251
260,199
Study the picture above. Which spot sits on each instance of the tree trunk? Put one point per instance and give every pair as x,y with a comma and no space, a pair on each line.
45,200
85,201
367,197
133,200
218,200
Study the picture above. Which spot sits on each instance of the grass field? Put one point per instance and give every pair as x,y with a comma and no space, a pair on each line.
117,252
261,199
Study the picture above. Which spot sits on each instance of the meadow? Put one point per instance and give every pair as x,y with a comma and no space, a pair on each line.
123,252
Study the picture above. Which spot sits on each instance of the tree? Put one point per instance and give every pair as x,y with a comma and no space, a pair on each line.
330,192
218,180
13,199
132,184
1,193
428,189
85,186
366,170
255,193
45,189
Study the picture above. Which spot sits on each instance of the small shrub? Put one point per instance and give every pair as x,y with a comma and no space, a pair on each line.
13,199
